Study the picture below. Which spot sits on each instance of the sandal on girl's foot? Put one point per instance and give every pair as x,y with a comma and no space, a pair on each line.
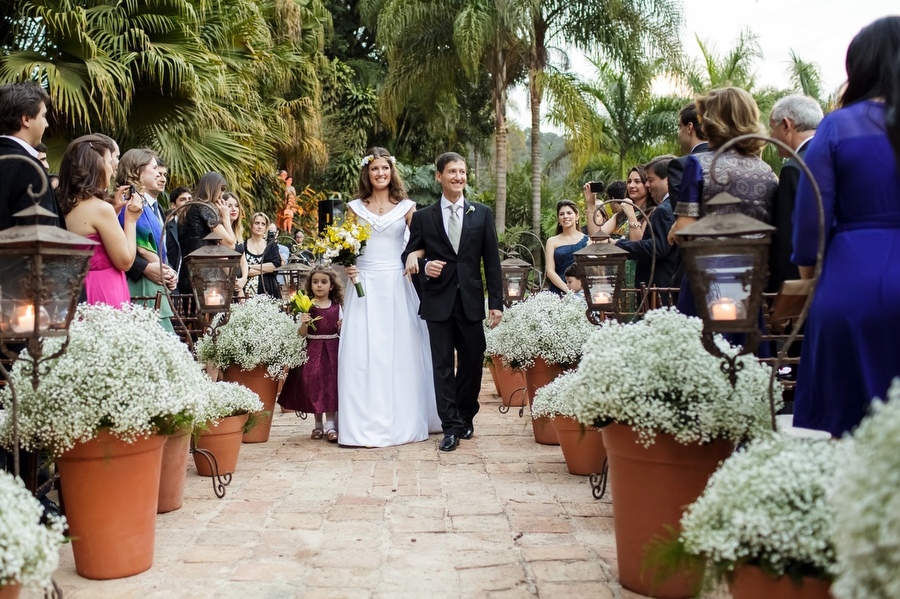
331,435
317,433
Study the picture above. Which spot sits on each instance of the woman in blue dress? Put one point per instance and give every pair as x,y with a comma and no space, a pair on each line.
561,248
851,348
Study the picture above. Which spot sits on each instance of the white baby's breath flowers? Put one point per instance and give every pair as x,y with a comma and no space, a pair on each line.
655,376
258,333
121,371
766,506
226,399
546,326
29,549
555,398
866,496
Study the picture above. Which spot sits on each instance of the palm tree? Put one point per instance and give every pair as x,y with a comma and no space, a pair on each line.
436,49
629,33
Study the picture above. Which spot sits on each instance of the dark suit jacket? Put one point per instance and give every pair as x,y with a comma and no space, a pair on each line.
462,273
676,172
661,220
173,246
15,177
781,268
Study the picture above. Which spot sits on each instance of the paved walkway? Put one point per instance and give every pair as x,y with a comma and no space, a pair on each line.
498,518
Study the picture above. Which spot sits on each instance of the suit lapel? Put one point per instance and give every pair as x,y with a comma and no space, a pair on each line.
438,217
466,224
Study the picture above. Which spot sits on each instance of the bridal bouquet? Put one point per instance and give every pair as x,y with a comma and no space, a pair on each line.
342,245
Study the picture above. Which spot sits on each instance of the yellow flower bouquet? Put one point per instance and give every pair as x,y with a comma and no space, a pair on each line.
342,245
302,304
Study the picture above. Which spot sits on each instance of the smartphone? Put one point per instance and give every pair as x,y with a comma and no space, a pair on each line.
128,193
596,186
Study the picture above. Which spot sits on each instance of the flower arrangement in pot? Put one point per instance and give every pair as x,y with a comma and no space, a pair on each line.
542,335
228,413
256,348
102,409
582,446
669,412
764,521
29,540
867,505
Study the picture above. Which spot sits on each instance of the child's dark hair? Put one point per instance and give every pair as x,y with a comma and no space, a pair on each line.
573,271
336,294
617,190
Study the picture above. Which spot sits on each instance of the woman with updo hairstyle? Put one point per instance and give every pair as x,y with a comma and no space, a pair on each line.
206,213
851,343
85,173
725,114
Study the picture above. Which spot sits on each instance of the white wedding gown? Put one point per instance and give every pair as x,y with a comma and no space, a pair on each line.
385,378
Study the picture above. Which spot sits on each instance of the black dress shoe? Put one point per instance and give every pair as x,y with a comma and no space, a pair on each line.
449,443
467,432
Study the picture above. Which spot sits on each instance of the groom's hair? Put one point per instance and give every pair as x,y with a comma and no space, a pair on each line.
446,158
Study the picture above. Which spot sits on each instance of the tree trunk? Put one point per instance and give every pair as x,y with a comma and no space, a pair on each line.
535,92
500,146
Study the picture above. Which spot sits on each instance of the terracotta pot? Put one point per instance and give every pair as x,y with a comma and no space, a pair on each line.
651,487
536,377
267,389
10,591
223,440
110,489
510,382
750,582
582,446
174,471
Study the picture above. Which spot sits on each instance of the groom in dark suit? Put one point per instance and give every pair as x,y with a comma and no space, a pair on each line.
456,236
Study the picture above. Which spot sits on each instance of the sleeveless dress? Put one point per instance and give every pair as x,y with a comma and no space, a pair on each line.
105,284
851,346
563,258
312,387
385,377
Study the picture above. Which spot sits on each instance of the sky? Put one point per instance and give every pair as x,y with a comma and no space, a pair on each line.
818,30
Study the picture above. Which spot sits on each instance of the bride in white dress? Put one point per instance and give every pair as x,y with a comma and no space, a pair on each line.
385,377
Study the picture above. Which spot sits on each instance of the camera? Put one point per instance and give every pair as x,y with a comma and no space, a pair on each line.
270,236
596,186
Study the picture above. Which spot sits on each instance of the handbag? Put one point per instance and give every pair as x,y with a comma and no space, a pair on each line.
790,300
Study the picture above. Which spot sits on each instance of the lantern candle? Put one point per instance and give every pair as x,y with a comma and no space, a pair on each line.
23,319
601,297
213,297
513,288
723,309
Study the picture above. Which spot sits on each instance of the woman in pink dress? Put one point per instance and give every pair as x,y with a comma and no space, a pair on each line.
87,167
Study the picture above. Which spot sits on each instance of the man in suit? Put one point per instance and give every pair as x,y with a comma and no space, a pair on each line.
23,120
457,237
793,120
692,141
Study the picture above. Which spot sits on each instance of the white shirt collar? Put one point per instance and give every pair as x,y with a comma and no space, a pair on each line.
445,203
804,142
31,151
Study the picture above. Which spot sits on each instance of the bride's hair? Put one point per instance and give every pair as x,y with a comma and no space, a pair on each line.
396,187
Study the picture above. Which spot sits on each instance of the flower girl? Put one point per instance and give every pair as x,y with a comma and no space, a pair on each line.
312,387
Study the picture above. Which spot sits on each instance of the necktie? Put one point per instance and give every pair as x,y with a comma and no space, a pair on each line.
158,212
454,227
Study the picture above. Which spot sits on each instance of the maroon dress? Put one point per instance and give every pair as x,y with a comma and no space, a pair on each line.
312,387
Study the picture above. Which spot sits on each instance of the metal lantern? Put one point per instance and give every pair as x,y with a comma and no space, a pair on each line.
213,271
295,275
601,267
726,256
42,271
515,273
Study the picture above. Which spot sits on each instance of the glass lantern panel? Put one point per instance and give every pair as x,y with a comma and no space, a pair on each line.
215,281
515,285
601,283
47,298
728,292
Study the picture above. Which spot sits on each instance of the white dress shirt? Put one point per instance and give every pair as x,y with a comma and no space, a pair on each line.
445,212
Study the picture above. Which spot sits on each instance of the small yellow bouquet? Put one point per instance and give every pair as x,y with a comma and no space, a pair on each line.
342,245
302,304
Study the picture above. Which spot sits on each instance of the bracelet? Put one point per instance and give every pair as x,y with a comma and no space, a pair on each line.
635,225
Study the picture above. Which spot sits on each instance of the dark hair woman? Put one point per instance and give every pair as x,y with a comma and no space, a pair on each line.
559,252
855,312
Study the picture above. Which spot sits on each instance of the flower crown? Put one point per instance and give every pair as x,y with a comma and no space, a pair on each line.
367,159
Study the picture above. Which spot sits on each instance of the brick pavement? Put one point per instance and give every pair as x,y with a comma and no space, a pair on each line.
498,518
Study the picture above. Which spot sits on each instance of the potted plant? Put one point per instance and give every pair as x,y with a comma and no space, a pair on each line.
99,409
256,348
29,540
867,521
509,382
669,416
225,418
764,522
542,336
582,446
